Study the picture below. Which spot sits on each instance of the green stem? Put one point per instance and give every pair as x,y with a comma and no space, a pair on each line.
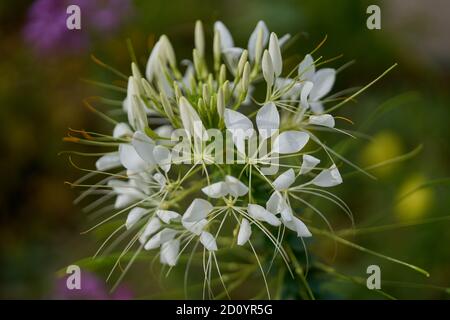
358,247
299,271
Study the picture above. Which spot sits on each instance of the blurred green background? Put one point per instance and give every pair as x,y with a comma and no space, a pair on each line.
41,94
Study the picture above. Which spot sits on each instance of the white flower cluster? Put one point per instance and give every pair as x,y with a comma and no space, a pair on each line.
158,185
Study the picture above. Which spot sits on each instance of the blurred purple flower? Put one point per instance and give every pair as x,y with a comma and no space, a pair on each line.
92,288
46,31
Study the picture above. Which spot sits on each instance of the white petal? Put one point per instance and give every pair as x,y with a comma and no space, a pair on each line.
108,161
281,83
254,37
131,91
235,187
309,163
259,213
284,180
277,204
325,120
167,234
267,68
316,107
123,201
246,143
245,231
167,216
236,120
161,237
158,177
163,83
126,103
126,194
226,40
323,82
191,120
328,177
134,216
267,120
274,203
197,211
130,159
119,186
122,129
290,142
298,226
286,211
195,227
135,71
275,54
140,182
163,157
305,91
152,226
124,187
216,190
144,146
208,241
153,61
232,56
306,68
169,252
167,52
289,88
284,39
137,116
164,131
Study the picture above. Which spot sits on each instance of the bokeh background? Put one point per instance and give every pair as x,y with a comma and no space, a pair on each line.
43,65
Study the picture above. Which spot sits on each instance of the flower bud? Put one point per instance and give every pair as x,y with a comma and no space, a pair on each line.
222,74
220,103
199,39
137,116
226,91
245,81
205,93
167,53
148,89
275,54
177,90
135,71
267,68
242,61
197,63
259,45
166,105
216,49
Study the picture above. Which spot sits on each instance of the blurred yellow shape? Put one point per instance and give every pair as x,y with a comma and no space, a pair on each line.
384,146
414,202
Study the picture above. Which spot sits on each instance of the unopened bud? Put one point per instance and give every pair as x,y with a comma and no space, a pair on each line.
241,63
199,38
220,103
267,68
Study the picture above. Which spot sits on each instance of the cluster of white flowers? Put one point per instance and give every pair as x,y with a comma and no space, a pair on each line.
154,186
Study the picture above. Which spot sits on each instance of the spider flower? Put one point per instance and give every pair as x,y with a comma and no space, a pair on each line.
186,163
